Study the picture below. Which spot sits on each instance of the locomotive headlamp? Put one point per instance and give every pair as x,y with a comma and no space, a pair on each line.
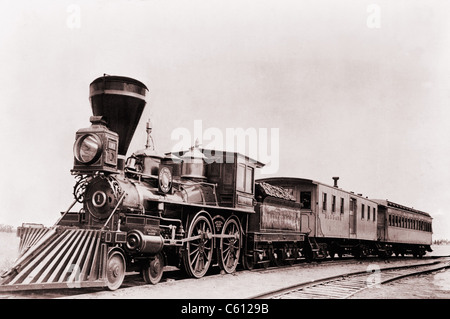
95,149
88,148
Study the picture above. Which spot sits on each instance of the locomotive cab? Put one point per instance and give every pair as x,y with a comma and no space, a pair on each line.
231,174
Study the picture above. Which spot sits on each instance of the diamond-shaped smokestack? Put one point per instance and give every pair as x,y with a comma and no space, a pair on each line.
120,101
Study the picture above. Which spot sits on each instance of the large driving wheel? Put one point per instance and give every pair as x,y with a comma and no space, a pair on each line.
115,270
198,254
230,247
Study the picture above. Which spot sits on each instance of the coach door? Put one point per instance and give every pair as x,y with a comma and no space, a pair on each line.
352,216
381,223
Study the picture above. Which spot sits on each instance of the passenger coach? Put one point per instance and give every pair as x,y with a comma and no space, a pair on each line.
404,230
338,221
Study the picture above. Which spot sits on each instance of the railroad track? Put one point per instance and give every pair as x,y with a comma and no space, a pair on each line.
346,285
134,279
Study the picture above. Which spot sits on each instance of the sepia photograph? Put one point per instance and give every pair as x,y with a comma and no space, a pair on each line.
232,156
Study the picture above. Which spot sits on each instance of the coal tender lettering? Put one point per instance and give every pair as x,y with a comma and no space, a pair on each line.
198,309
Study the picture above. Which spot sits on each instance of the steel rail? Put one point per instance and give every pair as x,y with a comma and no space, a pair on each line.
346,285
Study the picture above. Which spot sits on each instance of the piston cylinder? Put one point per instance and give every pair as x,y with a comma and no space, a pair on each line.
137,242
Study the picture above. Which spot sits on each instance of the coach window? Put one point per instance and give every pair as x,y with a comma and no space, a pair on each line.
324,202
342,205
368,212
305,200
244,178
333,203
362,211
374,214
249,180
240,177
390,220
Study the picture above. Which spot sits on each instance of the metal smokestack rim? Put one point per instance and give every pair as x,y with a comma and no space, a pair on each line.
121,85
119,78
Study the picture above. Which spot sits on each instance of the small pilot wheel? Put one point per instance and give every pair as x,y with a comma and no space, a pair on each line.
152,271
230,247
115,270
276,257
249,261
198,253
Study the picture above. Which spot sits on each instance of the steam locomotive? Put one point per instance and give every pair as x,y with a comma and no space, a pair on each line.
192,210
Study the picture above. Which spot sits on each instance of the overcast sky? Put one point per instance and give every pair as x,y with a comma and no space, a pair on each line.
356,89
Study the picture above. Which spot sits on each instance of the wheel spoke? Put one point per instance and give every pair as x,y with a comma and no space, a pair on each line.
195,258
226,249
194,251
196,263
227,256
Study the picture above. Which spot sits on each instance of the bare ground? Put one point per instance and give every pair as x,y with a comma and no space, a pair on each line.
240,285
